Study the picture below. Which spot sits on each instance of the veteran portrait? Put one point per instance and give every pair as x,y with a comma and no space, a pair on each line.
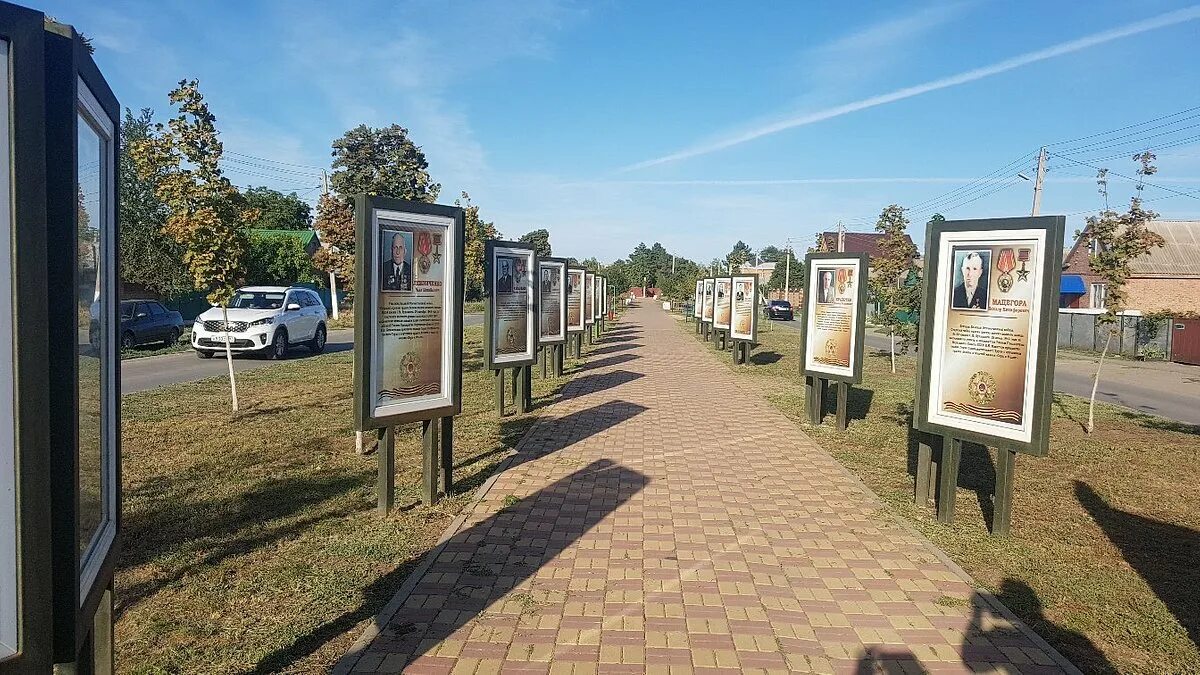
396,272
971,279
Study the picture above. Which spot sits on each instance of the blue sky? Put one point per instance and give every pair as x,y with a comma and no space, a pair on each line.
693,124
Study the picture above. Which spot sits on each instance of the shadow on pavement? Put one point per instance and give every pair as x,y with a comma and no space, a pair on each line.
1164,554
607,361
609,349
477,571
1019,597
591,383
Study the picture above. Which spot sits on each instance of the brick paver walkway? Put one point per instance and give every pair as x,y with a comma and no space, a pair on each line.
663,519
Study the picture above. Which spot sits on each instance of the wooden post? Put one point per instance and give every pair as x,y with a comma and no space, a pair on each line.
519,389
500,391
948,484
1006,465
543,357
528,388
813,394
559,359
385,482
922,494
512,388
843,402
447,454
103,644
429,448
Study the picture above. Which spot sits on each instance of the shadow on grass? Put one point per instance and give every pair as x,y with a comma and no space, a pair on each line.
1152,422
1062,408
487,561
765,358
1164,554
1019,597
976,468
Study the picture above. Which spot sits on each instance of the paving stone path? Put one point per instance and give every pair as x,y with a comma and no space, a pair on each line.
664,519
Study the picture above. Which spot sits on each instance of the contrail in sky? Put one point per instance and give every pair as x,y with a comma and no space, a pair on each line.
1160,21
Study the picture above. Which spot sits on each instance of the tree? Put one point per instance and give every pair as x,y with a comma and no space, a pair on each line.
149,257
1116,240
781,275
274,259
382,162
540,239
278,211
335,226
205,212
740,255
895,279
771,254
476,232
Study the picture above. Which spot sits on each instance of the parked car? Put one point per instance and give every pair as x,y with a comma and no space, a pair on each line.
779,309
147,321
269,319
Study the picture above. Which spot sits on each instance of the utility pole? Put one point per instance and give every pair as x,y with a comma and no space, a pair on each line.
333,299
841,240
1037,183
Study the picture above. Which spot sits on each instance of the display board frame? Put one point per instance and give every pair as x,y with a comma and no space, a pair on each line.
814,262
368,212
1039,370
752,336
559,267
26,608
724,284
698,300
706,311
603,297
582,274
77,93
597,297
528,356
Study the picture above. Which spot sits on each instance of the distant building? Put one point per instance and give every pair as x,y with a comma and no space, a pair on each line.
762,270
855,242
651,292
1165,280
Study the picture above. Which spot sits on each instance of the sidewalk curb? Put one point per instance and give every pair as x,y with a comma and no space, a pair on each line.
350,659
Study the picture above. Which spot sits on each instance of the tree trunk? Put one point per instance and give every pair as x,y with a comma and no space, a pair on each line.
229,357
1096,384
892,333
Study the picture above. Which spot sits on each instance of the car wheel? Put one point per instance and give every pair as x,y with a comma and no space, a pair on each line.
128,341
204,354
279,345
173,338
317,344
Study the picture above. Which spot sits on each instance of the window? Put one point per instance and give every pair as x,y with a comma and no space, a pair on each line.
128,310
259,300
156,309
1099,296
309,300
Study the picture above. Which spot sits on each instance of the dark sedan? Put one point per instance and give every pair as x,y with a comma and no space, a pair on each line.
779,309
147,321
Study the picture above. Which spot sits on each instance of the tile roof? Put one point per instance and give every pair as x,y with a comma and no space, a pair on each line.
1178,257
855,242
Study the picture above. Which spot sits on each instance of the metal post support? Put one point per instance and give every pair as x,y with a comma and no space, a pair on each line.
513,387
519,389
528,388
447,454
948,483
103,644
500,391
429,463
545,357
1006,465
559,359
924,460
812,397
385,482
843,400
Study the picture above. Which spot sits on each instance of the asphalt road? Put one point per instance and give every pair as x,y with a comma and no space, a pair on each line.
156,371
1168,390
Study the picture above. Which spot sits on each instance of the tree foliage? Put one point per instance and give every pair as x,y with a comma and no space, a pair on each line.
277,211
278,260
205,212
335,226
540,239
149,257
740,255
780,275
894,282
382,162
771,253
476,232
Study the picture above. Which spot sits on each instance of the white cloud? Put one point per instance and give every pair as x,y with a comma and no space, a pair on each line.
792,122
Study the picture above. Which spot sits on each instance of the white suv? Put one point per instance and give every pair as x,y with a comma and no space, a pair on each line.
270,318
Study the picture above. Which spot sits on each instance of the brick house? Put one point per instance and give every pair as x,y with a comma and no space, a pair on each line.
853,242
1166,280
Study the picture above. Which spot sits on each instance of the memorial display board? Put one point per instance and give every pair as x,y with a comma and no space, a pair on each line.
552,307
744,323
698,301
707,314
988,323
598,293
511,308
834,316
603,297
589,298
408,362
575,316
722,302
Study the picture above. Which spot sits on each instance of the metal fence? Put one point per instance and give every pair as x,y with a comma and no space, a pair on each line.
1146,337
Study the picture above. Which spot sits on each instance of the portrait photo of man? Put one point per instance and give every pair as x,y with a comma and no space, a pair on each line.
971,279
825,287
504,275
547,280
396,271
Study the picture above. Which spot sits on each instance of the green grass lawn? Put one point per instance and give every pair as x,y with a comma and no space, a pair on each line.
184,344
250,541
1104,557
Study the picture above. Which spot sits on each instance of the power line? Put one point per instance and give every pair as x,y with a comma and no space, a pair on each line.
1124,128
1136,180
274,161
980,182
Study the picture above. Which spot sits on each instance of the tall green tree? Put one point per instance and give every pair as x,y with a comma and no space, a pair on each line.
740,255
1116,241
781,275
540,239
771,253
278,260
205,212
149,257
895,279
277,211
476,232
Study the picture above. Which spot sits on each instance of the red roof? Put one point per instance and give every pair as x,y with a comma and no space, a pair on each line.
855,242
